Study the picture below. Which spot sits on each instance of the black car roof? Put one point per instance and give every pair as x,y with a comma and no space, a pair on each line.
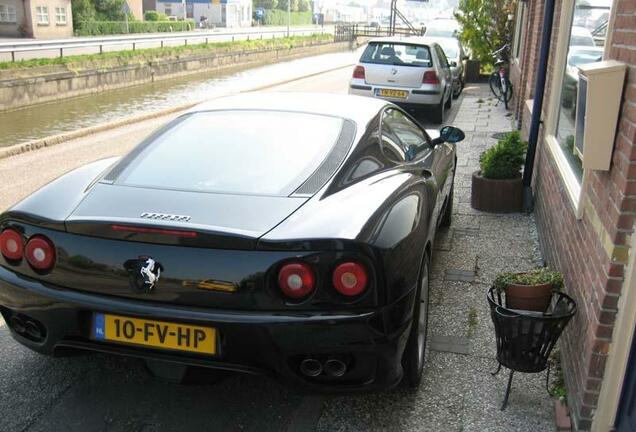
356,108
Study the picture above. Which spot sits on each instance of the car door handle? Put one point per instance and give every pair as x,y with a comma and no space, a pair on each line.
427,174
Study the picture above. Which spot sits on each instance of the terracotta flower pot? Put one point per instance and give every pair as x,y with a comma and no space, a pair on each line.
529,297
496,196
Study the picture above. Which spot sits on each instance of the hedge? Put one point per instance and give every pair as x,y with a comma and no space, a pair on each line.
95,28
279,18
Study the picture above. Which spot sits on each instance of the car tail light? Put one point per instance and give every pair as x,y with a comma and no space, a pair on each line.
350,279
430,77
296,280
358,72
11,244
40,252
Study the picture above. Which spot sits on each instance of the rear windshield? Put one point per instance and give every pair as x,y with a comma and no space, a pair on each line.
450,47
440,32
238,152
397,54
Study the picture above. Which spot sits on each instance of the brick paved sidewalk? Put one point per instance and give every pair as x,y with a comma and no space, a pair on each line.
458,393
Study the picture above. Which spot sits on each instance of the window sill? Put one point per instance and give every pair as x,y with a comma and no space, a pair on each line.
571,183
43,25
61,24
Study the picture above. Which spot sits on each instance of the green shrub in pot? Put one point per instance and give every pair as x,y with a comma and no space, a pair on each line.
531,290
505,159
497,186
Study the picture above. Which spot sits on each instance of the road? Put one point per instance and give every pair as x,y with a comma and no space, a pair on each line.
108,393
218,35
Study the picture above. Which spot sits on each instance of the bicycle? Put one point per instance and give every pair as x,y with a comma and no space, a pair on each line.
500,85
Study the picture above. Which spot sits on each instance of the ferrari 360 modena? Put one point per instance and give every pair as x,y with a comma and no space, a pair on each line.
283,234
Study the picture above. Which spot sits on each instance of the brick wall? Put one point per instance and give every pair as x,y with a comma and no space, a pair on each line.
591,252
523,74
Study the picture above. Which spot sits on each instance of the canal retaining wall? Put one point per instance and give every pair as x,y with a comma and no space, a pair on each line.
23,92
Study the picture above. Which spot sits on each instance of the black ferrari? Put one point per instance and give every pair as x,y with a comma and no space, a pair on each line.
283,234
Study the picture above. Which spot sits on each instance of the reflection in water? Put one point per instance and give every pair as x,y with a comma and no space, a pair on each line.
67,115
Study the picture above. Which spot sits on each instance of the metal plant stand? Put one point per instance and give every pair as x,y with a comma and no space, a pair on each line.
525,338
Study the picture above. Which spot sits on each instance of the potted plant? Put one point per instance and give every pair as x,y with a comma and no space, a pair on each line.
530,290
497,187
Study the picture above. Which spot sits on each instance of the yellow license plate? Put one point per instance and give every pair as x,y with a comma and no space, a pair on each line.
155,334
393,93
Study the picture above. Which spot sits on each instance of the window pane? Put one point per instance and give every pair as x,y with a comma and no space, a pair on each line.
403,139
397,54
586,45
242,152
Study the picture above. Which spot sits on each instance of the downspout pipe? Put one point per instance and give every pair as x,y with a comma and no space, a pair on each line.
537,106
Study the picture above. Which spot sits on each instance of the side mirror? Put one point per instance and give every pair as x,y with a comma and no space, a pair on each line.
451,134
453,63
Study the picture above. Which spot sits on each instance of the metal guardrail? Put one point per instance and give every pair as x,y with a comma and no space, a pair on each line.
351,31
134,40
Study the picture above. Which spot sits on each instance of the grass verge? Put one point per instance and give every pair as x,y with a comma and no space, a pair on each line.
122,58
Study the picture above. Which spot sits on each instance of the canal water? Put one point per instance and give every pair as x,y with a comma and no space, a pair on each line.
40,121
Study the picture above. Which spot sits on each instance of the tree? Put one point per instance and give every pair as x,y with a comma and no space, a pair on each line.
282,5
485,26
266,4
303,6
109,10
83,11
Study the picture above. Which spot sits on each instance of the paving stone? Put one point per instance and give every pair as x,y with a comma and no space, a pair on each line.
451,344
459,275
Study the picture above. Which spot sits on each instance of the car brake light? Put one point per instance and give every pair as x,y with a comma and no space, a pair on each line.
11,244
350,279
296,280
358,72
146,230
430,77
40,252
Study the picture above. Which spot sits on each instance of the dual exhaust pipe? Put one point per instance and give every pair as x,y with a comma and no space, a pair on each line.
332,367
27,327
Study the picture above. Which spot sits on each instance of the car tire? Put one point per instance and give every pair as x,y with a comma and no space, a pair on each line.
449,103
448,211
415,351
459,91
438,112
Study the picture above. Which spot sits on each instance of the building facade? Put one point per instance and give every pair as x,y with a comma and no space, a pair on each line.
210,13
42,19
585,214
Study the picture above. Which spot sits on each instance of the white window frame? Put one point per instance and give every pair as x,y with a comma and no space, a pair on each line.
8,14
42,14
572,185
60,16
520,31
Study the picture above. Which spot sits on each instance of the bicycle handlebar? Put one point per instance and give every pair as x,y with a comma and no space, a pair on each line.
500,50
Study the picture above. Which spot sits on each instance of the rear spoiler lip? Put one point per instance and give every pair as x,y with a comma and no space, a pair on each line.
10,216
203,236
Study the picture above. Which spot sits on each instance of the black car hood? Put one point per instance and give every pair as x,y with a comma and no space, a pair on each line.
246,216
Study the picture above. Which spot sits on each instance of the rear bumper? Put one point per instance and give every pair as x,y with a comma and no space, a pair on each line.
426,95
370,342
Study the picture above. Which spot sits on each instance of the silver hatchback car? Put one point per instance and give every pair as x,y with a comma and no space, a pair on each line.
408,71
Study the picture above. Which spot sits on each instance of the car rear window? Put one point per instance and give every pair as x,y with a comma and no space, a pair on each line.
397,54
238,152
450,48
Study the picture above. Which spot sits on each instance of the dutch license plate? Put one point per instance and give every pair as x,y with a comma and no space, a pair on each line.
401,94
155,334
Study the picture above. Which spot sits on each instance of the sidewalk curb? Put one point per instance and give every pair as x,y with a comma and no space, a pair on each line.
33,145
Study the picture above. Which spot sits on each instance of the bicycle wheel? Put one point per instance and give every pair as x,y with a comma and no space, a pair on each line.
495,85
508,95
